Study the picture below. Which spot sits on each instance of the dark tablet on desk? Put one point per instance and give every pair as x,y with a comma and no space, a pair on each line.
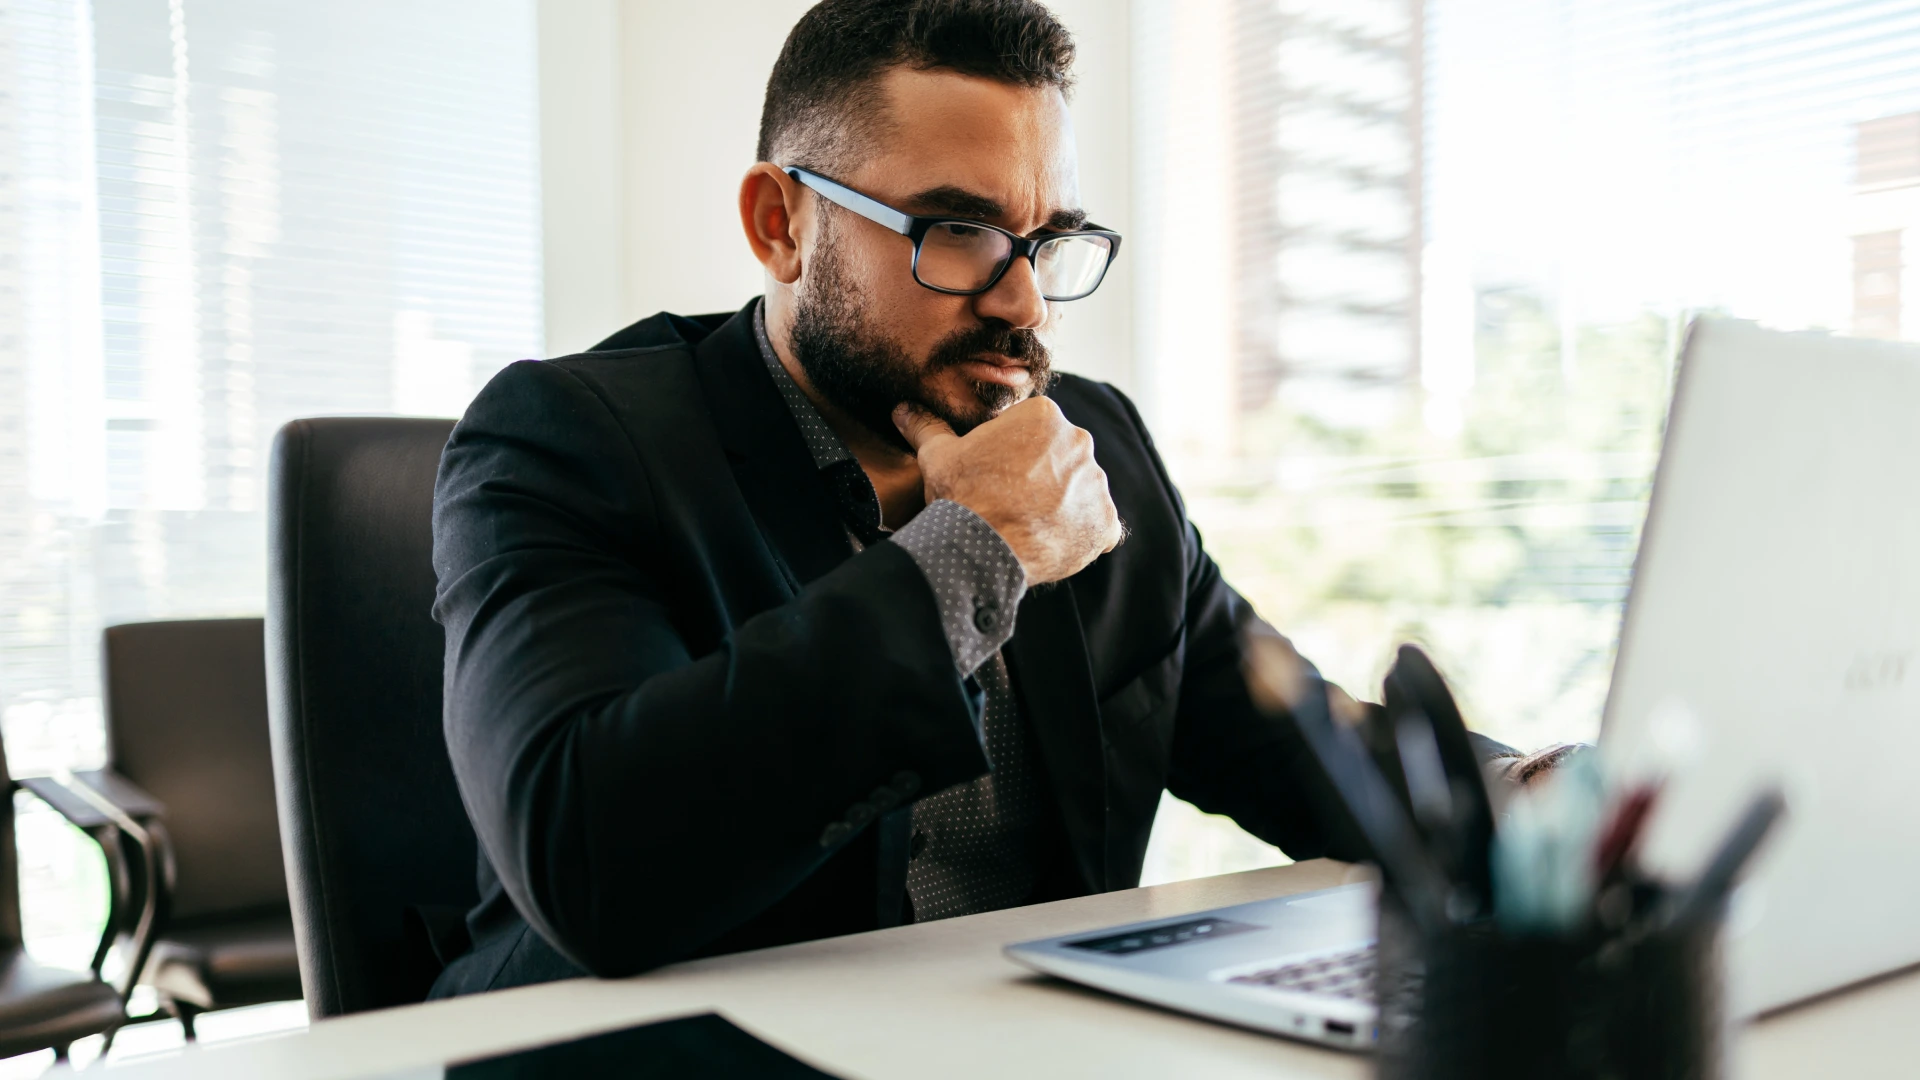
693,1046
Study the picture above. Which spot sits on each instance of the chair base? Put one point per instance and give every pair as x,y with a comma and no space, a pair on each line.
223,964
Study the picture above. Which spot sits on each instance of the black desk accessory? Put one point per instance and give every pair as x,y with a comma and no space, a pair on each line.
1424,716
690,1048
1637,1002
1280,679
1630,989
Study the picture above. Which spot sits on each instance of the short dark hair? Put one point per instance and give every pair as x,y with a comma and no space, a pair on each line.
822,98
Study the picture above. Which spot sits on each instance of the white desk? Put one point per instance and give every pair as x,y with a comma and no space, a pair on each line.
939,1001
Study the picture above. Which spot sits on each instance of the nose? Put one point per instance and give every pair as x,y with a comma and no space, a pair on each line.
1015,299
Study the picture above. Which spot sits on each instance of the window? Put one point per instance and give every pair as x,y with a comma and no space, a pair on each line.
219,216
1426,266
215,216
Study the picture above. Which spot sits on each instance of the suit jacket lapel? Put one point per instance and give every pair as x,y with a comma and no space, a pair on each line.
788,497
795,510
1047,659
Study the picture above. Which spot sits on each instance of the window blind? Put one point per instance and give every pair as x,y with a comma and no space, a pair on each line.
217,215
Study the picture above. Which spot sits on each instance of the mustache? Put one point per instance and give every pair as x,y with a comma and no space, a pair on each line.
999,338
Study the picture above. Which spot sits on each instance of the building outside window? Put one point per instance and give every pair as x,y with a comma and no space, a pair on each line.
1426,268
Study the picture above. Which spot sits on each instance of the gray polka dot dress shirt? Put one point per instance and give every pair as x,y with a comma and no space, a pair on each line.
973,845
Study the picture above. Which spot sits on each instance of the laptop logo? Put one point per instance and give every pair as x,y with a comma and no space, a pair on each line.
1879,670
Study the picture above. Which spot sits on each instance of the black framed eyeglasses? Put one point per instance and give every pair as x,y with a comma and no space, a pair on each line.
965,257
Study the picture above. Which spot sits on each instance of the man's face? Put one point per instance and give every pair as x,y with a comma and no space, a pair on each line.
866,334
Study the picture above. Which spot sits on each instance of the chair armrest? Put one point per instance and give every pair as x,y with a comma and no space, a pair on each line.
121,794
124,877
132,815
78,811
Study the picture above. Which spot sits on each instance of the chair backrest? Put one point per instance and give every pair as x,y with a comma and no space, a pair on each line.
186,705
9,862
369,814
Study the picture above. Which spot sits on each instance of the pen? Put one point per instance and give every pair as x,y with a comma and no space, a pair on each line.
1623,829
1543,856
1716,882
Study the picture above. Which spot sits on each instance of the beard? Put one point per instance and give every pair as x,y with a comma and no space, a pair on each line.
865,373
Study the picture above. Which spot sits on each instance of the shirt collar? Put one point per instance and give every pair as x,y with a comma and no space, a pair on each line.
822,443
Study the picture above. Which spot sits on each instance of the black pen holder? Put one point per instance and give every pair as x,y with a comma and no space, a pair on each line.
1640,1002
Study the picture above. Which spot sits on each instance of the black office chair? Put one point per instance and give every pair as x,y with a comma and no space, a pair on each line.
186,706
374,829
40,1006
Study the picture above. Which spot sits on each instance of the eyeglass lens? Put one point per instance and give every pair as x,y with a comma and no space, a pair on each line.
961,257
964,258
1071,266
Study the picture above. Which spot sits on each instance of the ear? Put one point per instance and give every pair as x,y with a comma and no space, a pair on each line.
769,204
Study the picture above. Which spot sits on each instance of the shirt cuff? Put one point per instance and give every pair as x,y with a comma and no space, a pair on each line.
977,581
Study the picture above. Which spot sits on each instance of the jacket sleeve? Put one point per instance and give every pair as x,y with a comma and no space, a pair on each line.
637,800
1228,757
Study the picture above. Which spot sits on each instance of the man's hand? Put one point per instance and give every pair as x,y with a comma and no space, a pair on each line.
1535,769
1028,473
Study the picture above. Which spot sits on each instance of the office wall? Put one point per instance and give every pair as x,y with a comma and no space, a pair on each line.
582,191
649,114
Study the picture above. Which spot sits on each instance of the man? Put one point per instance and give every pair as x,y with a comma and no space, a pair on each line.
844,610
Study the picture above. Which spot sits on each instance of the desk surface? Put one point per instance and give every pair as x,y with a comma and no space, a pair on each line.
938,1000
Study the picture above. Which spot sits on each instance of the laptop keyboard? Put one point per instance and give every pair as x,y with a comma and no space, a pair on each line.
1342,975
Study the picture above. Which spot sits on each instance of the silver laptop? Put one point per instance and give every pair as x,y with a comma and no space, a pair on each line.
1773,633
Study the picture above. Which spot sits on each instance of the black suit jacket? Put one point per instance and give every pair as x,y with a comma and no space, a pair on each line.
687,719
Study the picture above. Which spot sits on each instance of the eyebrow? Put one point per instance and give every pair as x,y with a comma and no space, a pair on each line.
960,202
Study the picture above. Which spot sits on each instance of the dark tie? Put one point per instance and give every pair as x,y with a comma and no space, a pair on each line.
859,506
972,848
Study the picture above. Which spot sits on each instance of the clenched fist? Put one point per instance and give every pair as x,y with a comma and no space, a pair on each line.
1030,474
